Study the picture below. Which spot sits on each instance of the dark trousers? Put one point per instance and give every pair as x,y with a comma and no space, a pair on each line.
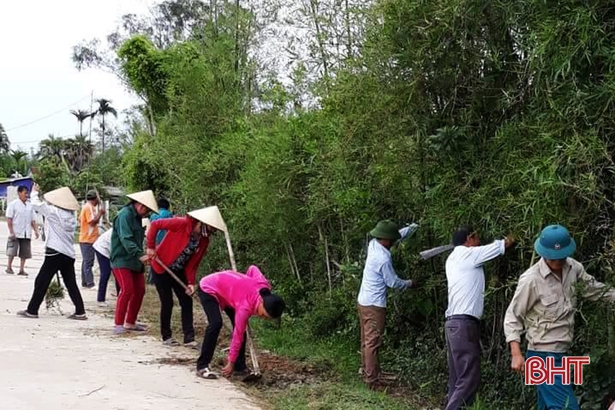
105,273
51,265
150,277
214,325
463,348
166,286
87,275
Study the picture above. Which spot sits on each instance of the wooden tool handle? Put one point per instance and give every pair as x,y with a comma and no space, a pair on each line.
173,275
249,341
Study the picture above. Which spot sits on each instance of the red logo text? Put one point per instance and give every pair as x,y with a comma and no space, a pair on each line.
539,370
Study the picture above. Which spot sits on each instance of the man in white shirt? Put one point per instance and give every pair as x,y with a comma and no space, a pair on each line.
378,274
466,288
21,221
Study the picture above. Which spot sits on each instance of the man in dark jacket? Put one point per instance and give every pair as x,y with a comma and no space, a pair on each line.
127,258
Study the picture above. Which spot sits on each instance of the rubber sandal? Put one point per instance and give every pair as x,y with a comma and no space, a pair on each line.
22,273
24,313
138,328
170,342
206,374
193,345
75,316
10,272
118,330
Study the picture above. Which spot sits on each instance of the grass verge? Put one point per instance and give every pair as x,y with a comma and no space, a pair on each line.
298,372
335,362
325,396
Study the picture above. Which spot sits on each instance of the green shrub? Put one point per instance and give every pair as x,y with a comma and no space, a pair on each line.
329,315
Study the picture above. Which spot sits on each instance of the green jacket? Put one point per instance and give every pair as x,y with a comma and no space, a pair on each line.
127,240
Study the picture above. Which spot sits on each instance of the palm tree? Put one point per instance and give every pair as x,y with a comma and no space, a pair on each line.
79,151
52,147
5,144
71,154
104,108
81,115
19,158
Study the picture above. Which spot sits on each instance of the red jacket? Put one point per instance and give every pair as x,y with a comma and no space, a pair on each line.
179,230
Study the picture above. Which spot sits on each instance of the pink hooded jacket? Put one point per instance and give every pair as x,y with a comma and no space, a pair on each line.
240,292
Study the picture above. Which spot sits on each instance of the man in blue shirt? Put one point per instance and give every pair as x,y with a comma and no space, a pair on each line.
378,274
164,208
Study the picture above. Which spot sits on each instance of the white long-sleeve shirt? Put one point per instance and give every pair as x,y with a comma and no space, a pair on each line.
103,243
466,278
60,226
379,273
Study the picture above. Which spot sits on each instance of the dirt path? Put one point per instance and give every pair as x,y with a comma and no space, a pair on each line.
59,364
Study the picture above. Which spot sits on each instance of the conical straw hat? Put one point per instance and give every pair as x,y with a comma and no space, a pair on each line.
145,198
210,216
62,198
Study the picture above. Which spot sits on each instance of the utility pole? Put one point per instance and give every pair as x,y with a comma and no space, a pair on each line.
87,181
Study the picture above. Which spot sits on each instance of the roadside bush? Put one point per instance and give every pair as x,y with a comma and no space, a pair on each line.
495,114
328,315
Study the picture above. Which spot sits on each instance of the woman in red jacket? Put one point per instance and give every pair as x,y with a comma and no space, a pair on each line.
182,250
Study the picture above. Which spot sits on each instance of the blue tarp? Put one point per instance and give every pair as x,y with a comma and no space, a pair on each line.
26,181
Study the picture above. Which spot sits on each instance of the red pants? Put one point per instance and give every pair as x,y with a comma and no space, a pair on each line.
132,291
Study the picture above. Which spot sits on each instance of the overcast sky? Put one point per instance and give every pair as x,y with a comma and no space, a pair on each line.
37,75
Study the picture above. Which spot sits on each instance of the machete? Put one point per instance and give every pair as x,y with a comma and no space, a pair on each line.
430,253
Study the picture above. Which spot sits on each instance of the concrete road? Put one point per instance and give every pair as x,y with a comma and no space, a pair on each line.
59,364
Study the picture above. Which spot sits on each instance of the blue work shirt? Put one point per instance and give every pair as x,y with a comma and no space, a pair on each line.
379,273
163,214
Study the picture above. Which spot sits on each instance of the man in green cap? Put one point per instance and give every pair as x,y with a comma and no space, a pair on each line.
544,305
89,218
378,274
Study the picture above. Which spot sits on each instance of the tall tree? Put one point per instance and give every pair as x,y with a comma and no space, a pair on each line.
169,22
81,115
74,154
5,144
52,148
105,108
78,152
21,164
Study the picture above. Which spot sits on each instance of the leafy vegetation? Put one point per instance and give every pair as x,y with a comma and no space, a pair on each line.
499,114
75,162
334,396
54,295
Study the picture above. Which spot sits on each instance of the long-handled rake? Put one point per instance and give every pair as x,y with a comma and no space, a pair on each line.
256,374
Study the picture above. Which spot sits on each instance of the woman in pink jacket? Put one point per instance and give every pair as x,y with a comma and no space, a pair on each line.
241,297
